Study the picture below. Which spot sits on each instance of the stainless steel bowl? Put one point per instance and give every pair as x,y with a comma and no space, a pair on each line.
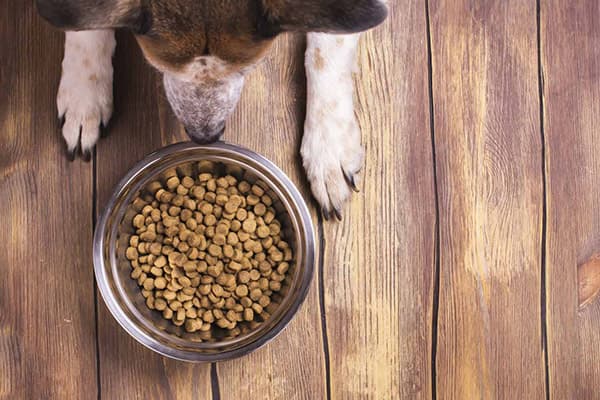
122,295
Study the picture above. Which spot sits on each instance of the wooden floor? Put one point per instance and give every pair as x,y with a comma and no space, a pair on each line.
455,272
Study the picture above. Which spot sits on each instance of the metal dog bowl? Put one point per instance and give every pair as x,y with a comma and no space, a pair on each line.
122,295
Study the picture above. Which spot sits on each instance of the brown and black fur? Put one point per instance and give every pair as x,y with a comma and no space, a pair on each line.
173,32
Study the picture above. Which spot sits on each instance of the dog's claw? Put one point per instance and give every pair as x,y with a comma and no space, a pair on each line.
103,131
86,156
338,213
350,180
71,154
326,213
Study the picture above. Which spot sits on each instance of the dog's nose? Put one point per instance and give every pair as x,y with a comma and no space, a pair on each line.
204,137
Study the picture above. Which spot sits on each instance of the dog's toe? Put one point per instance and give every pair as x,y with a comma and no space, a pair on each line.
90,133
80,135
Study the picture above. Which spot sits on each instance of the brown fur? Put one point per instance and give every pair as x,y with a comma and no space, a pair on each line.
184,29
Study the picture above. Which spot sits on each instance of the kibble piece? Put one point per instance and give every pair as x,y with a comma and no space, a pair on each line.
210,220
252,200
219,239
139,221
131,253
228,251
257,308
257,190
173,183
215,270
169,295
134,241
267,200
263,232
217,290
180,316
187,182
148,284
221,199
160,283
235,225
185,281
232,204
275,229
254,275
249,225
264,301
243,236
246,302
206,208
260,209
255,294
167,313
214,250
136,273
244,187
160,262
160,304
248,314
244,277
282,268
241,290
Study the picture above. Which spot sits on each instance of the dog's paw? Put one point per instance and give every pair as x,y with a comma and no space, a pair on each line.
85,93
332,157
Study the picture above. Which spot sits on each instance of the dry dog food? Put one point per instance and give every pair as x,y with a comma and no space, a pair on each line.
208,253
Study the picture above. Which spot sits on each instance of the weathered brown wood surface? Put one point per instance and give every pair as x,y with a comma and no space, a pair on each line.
489,164
455,272
47,329
571,68
379,263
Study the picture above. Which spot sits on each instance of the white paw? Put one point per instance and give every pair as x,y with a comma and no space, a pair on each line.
332,157
85,94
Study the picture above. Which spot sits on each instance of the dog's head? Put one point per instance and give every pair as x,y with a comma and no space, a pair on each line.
205,47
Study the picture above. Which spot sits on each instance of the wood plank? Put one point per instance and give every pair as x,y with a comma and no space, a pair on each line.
490,185
570,37
47,327
380,261
269,120
141,124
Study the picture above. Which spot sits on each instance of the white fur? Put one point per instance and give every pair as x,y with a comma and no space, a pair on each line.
331,143
85,94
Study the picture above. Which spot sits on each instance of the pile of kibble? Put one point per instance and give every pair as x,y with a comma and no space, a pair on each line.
208,251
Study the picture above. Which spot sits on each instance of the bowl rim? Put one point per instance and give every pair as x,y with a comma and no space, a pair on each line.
100,270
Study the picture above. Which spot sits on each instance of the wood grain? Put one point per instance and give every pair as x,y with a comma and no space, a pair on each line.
488,144
47,327
141,124
269,120
570,37
380,261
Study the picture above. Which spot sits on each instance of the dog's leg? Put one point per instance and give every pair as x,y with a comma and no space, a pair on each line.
331,148
85,94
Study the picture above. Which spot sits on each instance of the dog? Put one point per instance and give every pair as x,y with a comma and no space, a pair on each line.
204,49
